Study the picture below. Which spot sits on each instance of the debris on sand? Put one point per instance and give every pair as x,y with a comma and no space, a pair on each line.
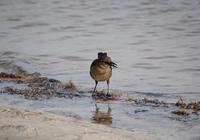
130,98
140,110
4,75
70,85
147,101
22,76
181,112
102,95
186,109
38,87
35,93
195,106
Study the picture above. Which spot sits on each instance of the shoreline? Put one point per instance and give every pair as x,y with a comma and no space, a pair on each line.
63,104
21,124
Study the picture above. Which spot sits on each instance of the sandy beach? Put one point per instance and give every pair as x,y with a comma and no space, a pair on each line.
21,124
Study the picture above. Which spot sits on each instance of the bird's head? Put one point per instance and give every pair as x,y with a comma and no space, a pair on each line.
106,59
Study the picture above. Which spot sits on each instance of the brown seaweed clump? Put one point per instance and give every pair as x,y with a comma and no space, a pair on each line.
70,85
101,95
186,109
35,93
180,112
195,106
38,87
22,77
4,75
146,101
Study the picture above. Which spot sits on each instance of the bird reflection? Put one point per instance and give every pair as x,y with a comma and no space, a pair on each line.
102,117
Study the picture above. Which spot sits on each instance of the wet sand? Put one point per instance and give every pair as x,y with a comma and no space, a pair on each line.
20,124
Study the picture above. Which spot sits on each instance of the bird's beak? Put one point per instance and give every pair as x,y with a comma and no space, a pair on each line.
112,64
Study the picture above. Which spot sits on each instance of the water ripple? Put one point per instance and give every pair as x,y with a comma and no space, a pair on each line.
160,57
73,58
30,25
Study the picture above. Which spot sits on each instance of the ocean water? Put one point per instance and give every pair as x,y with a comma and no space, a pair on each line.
155,43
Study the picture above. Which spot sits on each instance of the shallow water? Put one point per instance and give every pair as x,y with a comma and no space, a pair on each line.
154,120
154,42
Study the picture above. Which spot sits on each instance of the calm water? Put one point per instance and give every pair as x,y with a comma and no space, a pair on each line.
156,43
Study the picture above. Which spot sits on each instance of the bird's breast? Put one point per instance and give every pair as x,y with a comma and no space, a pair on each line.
101,73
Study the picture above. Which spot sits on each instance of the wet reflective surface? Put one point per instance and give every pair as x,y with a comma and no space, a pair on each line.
147,118
102,117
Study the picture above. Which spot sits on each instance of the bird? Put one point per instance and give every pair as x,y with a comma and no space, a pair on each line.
101,70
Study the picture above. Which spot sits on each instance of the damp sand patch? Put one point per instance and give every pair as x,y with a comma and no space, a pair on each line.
19,124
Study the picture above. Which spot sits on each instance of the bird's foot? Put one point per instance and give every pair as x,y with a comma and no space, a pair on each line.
93,94
108,95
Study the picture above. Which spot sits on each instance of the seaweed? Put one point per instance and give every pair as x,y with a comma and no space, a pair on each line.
39,88
146,101
4,75
186,109
195,106
102,95
70,85
180,112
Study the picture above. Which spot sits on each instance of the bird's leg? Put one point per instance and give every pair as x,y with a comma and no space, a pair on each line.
109,110
108,93
96,82
97,109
